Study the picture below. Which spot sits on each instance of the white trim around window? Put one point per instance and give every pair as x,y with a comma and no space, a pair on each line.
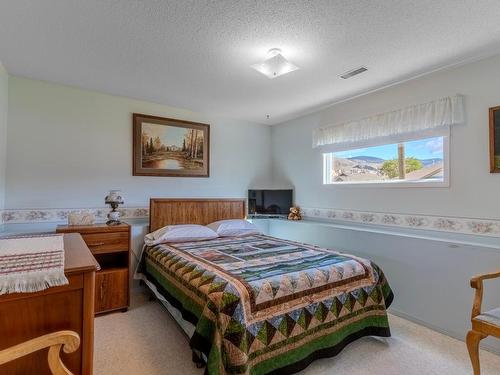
327,160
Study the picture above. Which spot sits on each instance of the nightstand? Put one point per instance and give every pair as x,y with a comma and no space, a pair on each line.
110,245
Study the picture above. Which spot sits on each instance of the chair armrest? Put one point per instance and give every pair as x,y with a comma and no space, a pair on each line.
68,340
477,283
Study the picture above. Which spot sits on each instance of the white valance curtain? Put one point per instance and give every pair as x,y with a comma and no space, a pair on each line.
396,125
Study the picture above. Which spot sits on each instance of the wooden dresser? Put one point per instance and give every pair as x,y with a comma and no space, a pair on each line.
24,316
110,245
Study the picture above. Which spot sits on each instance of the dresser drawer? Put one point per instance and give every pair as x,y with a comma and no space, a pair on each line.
107,242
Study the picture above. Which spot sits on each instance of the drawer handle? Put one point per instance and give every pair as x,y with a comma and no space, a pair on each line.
97,244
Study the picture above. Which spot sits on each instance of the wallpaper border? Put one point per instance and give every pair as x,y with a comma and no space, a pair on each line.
50,215
482,227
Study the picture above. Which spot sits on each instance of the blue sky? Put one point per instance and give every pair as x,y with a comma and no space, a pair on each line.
428,148
169,135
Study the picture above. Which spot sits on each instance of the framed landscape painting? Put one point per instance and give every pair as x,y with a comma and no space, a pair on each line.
495,140
169,147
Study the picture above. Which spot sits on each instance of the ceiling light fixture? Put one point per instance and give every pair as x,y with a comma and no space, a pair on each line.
275,65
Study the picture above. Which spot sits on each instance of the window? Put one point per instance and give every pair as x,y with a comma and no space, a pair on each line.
417,162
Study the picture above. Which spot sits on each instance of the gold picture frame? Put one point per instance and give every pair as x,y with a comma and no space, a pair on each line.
494,116
166,147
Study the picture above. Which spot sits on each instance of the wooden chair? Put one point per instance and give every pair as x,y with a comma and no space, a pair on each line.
68,340
483,324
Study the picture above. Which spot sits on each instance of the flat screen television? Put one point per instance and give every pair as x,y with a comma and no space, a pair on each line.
270,202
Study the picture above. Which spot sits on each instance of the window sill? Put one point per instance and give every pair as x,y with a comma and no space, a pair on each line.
392,184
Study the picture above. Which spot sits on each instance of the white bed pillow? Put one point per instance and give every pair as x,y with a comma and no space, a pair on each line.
233,227
179,233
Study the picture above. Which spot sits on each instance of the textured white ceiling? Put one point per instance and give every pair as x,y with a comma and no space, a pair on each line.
196,54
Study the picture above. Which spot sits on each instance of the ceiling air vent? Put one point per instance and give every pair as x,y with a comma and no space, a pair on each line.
354,72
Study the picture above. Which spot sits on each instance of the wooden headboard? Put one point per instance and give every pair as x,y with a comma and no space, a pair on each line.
166,211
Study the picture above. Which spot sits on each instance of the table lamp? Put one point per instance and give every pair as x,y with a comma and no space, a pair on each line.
114,199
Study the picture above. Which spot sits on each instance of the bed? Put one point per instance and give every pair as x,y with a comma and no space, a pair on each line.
256,304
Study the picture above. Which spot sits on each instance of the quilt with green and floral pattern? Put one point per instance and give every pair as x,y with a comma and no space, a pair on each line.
263,305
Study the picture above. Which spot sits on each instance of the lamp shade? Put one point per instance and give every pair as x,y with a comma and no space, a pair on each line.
114,196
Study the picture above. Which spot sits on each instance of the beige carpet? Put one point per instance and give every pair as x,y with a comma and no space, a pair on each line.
145,340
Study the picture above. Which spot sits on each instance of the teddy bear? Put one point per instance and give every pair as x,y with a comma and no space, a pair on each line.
294,214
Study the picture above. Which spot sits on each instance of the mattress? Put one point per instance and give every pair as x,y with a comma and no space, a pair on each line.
261,305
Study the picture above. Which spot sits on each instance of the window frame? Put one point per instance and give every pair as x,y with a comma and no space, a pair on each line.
445,183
